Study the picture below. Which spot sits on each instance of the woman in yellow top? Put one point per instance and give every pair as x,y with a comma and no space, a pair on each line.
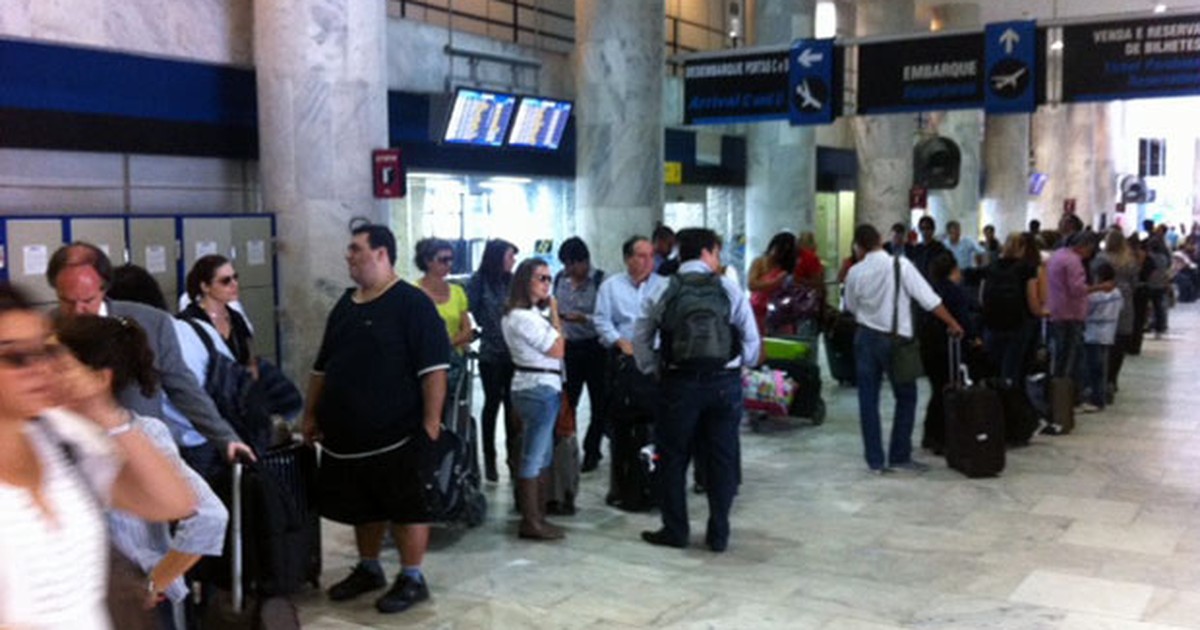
435,258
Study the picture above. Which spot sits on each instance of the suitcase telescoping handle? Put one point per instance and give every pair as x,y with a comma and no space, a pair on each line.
235,542
959,375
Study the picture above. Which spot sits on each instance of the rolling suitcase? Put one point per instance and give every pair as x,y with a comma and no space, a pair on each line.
564,470
457,416
631,484
974,422
807,401
839,349
1020,416
274,542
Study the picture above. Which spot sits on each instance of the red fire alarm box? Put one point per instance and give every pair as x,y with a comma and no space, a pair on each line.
918,197
388,170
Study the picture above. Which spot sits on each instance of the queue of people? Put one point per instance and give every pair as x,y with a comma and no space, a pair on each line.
127,434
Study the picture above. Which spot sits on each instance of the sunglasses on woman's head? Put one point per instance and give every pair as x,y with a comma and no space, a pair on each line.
227,280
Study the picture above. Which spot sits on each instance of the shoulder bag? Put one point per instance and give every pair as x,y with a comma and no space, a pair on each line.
906,352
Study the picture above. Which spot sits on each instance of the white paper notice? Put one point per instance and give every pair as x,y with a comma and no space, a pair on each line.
205,248
36,258
256,253
156,259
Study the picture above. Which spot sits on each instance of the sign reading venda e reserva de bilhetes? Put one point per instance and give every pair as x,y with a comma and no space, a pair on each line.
736,88
1131,59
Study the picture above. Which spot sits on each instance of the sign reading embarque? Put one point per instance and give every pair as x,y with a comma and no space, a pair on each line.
921,75
1131,59
736,88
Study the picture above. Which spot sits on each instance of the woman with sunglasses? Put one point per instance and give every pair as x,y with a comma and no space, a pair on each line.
435,258
534,336
58,473
212,285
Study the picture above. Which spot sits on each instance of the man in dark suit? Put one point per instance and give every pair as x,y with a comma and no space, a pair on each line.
80,274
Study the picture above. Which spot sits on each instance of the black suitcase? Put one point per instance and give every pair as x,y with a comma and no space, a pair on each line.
839,349
1020,416
564,476
631,482
807,402
974,423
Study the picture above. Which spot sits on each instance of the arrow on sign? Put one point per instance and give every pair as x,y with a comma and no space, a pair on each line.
808,57
1008,39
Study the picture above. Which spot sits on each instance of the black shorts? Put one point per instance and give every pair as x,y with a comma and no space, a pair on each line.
384,487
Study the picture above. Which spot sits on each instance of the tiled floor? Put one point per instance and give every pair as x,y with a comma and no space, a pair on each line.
1098,530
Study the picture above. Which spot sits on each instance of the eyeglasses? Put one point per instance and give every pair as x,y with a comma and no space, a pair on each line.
227,280
17,359
445,260
544,278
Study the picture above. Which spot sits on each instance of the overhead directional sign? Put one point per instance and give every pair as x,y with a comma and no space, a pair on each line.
814,82
1011,53
1131,59
739,87
928,74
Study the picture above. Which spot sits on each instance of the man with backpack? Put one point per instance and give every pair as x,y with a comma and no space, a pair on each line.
706,333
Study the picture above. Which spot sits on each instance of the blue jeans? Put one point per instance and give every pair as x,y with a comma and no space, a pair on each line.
704,407
538,410
873,358
1097,373
1066,348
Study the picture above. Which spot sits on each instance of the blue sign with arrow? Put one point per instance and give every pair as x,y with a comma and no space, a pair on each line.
812,86
1011,59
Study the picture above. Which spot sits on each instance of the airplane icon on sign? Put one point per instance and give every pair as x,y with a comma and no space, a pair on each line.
806,97
1002,81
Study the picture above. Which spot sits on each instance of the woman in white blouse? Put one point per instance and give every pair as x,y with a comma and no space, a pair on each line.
533,333
58,472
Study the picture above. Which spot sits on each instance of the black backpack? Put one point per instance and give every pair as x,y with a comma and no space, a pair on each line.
695,323
232,388
1004,302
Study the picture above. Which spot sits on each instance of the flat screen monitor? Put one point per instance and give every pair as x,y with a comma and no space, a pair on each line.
539,123
479,118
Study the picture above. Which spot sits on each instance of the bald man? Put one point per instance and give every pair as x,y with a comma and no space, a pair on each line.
80,274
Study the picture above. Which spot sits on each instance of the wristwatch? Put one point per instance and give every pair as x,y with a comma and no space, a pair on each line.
151,589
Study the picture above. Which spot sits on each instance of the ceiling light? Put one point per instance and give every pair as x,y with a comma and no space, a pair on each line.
1056,45
1160,8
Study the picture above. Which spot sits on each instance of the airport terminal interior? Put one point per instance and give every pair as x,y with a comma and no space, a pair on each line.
263,129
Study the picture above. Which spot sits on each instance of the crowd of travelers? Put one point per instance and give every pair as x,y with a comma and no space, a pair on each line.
115,440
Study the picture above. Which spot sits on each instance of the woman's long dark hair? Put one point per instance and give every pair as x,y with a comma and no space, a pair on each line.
781,251
114,343
518,291
491,267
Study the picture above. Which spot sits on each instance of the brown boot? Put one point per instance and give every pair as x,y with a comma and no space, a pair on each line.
533,523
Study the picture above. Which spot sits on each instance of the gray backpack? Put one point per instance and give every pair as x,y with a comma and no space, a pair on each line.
695,323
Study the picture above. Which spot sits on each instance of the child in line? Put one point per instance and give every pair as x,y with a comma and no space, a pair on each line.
1100,331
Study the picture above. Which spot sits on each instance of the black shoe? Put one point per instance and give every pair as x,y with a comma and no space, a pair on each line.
662,539
715,545
361,580
403,595
489,471
590,463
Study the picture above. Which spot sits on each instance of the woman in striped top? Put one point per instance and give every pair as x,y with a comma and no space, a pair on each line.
58,472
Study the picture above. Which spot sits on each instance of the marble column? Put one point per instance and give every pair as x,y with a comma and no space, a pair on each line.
965,128
619,59
781,169
1006,160
884,143
322,108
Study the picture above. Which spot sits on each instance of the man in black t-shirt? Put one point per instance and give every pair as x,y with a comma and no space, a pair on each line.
375,404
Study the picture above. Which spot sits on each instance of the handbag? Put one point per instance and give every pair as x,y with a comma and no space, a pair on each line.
906,352
564,426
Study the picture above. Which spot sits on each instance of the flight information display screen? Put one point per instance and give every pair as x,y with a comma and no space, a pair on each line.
539,123
479,118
